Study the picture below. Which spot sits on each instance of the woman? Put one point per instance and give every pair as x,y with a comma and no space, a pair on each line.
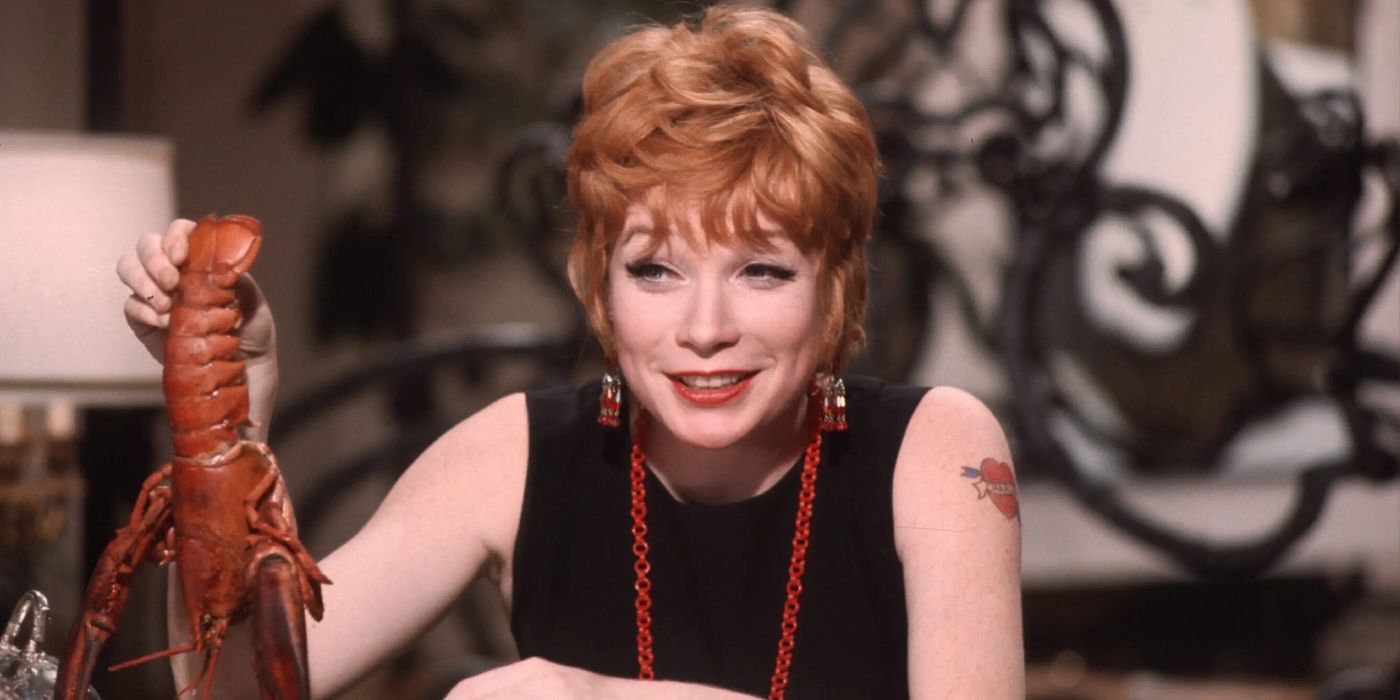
730,533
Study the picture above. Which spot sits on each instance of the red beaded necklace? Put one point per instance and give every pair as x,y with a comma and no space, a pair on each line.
800,538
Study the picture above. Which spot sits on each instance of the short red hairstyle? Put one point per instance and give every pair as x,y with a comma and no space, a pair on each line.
734,114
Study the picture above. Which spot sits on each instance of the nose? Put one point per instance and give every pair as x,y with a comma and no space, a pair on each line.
709,325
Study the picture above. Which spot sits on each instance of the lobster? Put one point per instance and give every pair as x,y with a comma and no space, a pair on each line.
218,509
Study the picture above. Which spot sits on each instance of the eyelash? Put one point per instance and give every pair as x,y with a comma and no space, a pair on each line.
648,271
769,271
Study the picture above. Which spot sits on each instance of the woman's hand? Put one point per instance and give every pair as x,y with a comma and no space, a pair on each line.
534,678
538,678
151,273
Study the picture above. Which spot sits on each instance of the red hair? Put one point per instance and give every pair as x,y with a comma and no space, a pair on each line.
734,115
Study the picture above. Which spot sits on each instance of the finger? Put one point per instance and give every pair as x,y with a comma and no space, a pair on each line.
250,297
259,332
177,240
491,682
288,512
142,318
138,279
151,252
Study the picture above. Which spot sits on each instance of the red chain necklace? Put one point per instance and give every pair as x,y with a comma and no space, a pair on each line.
800,538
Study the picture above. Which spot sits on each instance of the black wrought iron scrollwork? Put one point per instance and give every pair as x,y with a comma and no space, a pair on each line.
1293,233
1235,344
530,192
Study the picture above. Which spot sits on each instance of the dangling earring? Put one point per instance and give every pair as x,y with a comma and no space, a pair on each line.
610,401
833,404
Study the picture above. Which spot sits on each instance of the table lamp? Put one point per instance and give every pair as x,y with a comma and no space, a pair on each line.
70,206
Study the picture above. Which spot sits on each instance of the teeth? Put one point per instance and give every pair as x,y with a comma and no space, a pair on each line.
713,382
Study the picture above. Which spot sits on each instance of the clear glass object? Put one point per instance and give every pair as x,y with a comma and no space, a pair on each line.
27,673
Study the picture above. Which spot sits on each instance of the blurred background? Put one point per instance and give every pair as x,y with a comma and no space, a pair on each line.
1158,237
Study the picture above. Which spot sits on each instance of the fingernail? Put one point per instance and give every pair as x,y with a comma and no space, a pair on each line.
163,320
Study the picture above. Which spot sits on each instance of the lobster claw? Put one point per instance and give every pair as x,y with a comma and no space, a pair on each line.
279,628
107,592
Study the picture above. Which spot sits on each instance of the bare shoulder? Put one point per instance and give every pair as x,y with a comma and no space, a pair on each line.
952,414
473,476
954,470
486,444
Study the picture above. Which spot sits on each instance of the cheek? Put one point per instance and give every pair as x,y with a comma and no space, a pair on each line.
813,333
636,321
792,325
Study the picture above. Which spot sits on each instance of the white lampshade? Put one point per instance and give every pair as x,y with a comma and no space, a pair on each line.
70,206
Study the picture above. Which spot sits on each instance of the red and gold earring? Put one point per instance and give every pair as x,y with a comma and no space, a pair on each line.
610,401
833,404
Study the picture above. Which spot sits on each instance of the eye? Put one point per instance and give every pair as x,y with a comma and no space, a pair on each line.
769,272
647,271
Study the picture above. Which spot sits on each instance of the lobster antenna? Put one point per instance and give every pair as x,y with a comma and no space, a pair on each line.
192,685
213,663
152,657
206,671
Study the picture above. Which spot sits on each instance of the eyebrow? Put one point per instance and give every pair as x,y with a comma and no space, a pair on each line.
773,237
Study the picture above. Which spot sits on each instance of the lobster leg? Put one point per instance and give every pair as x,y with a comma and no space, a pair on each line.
285,583
274,519
111,583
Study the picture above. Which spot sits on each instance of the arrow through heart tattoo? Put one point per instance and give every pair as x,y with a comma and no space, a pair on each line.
995,480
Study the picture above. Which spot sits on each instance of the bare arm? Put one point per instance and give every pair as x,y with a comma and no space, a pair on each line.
453,511
957,530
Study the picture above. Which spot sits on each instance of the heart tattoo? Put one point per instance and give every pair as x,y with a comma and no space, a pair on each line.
994,480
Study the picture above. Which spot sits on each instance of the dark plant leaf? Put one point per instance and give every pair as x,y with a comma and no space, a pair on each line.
347,97
356,288
342,80
430,69
467,27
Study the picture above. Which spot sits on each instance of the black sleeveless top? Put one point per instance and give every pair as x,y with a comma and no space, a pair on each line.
718,572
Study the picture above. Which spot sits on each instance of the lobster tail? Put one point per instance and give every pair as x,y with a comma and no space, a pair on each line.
225,247
205,392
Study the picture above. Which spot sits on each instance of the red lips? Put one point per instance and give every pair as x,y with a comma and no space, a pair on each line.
710,397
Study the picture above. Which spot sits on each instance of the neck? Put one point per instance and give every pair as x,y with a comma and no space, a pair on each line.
714,476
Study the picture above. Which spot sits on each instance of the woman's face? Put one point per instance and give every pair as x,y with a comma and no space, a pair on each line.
716,342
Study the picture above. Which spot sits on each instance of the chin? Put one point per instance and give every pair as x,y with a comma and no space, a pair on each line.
710,440
708,432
